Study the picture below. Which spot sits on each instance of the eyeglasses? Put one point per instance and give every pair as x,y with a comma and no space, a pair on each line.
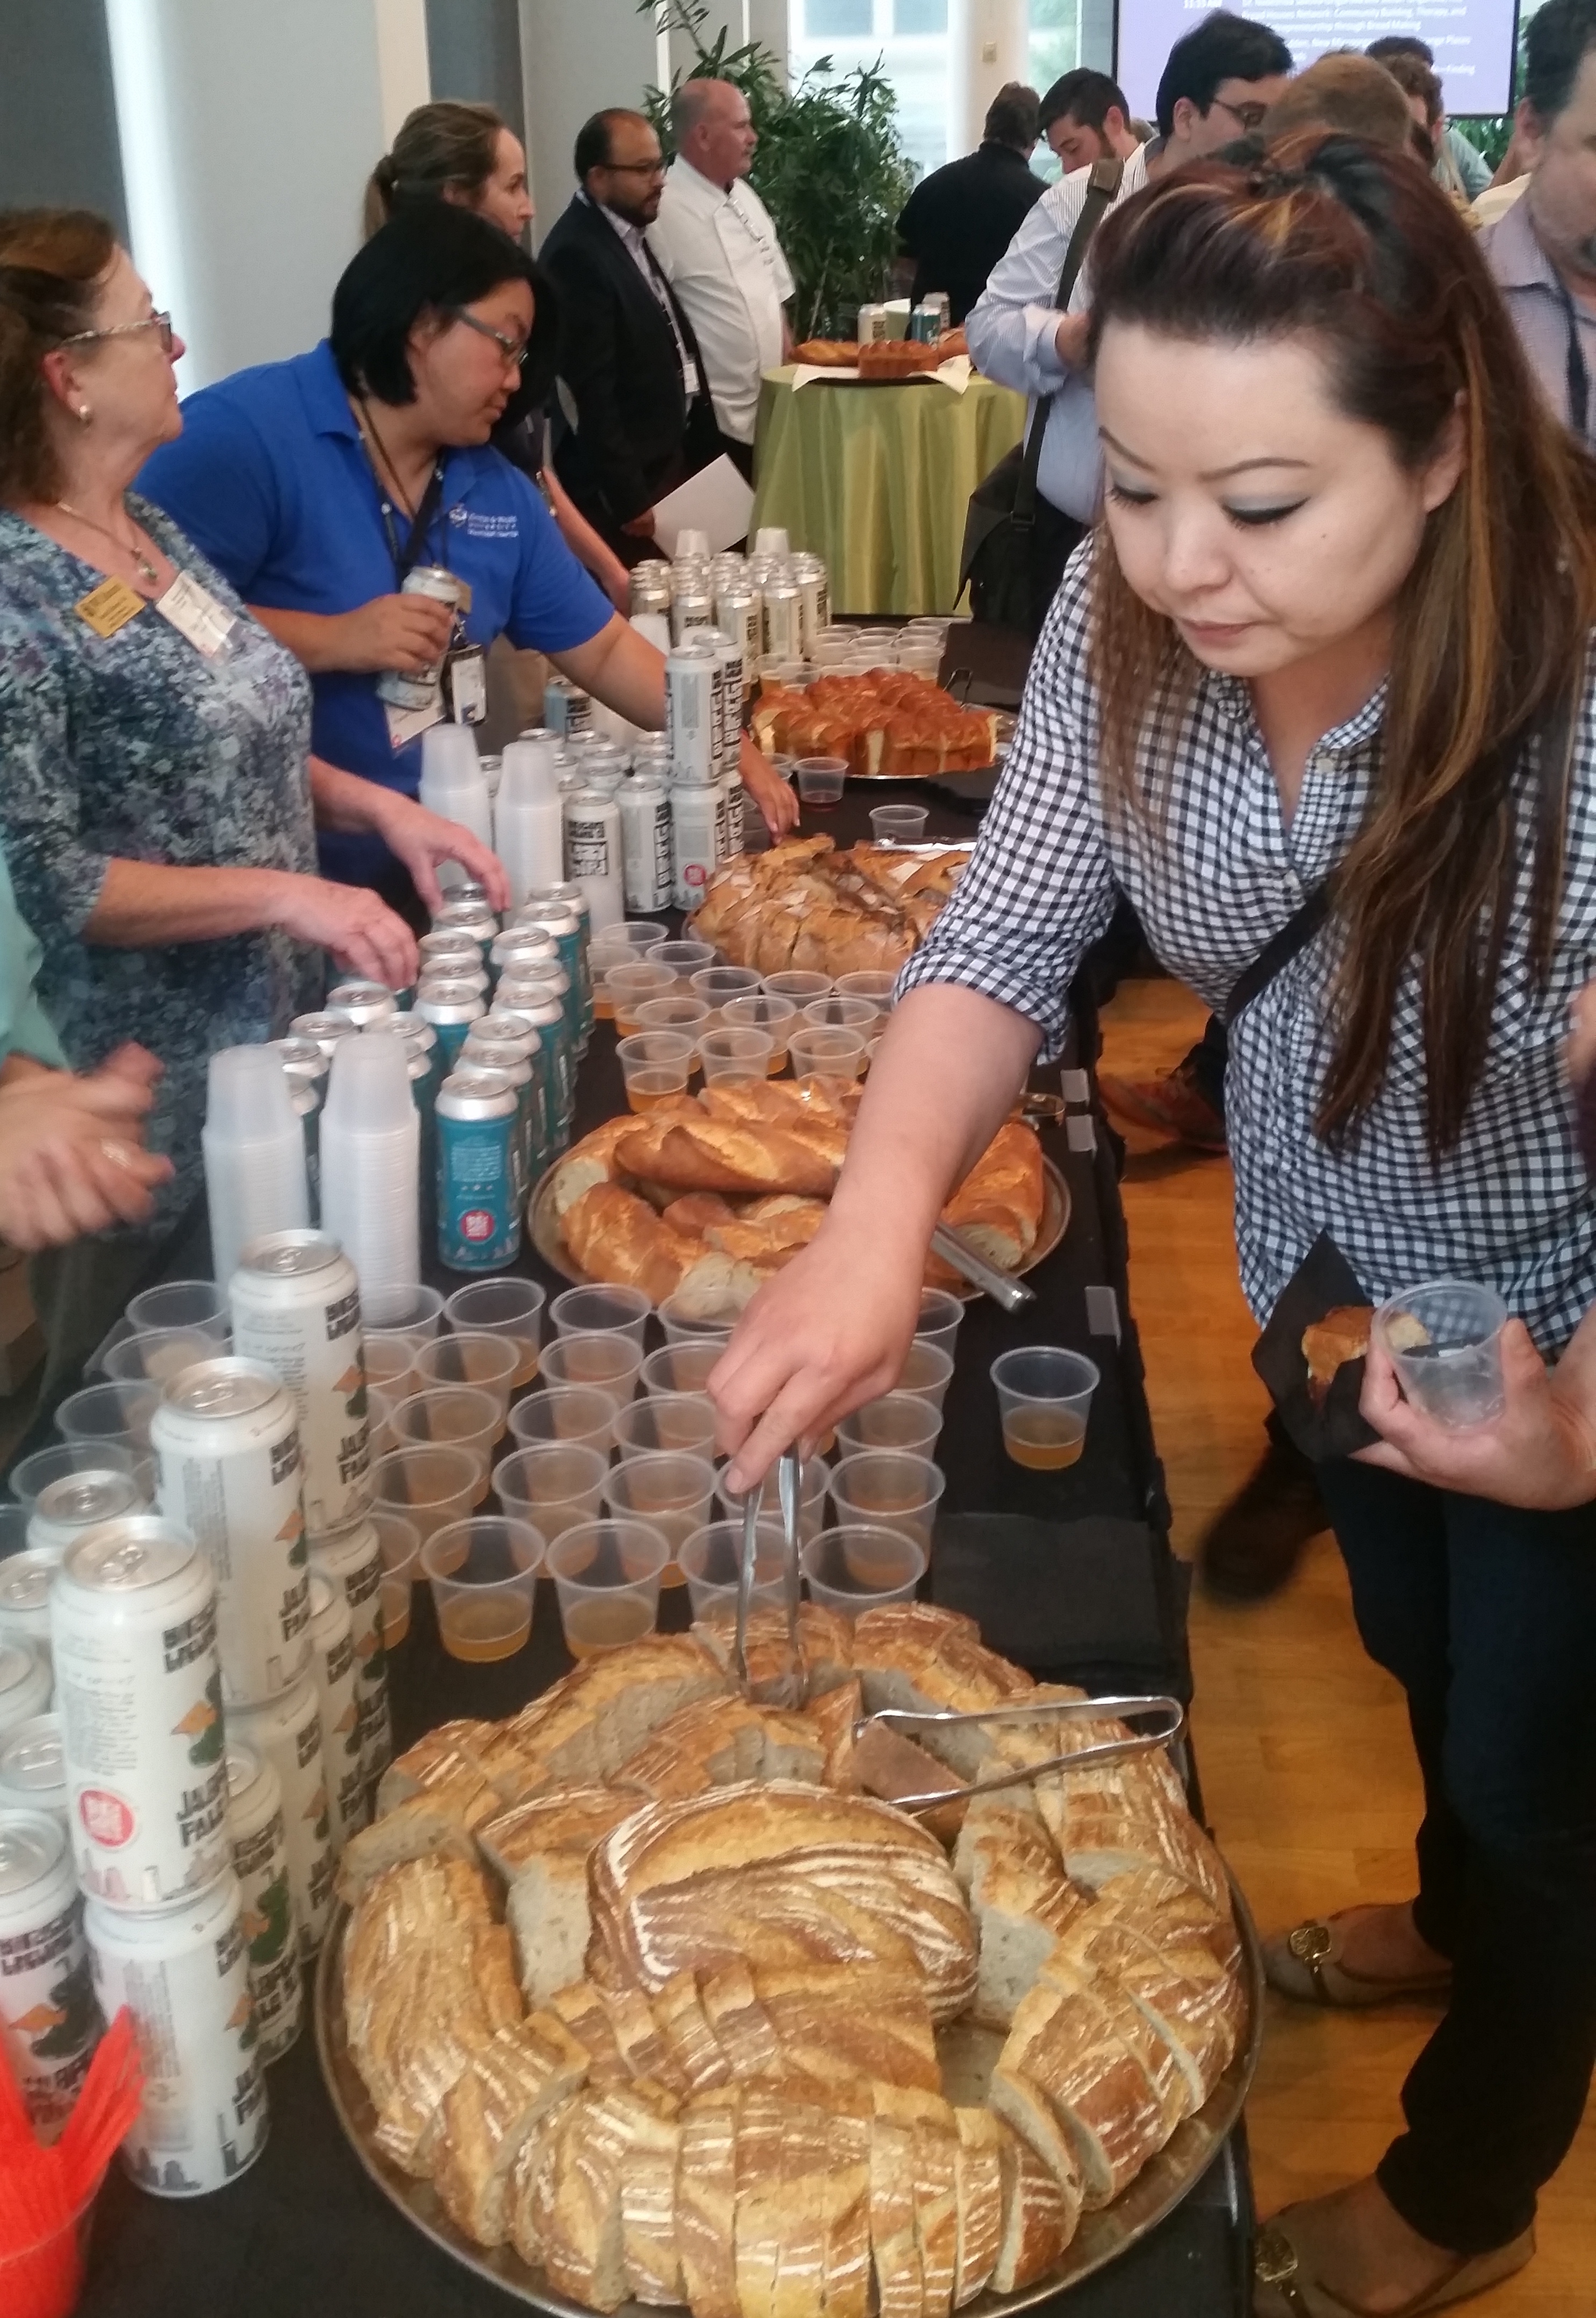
1251,116
659,168
514,350
161,322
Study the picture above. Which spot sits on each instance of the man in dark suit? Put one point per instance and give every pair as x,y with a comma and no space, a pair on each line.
638,418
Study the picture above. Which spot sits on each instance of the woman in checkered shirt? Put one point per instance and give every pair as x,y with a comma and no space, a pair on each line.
1334,627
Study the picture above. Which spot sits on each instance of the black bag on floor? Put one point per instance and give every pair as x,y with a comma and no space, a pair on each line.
996,561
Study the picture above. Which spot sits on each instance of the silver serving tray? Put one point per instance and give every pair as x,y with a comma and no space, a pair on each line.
1101,2238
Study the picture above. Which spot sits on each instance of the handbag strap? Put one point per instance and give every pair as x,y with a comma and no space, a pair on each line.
1278,951
1101,187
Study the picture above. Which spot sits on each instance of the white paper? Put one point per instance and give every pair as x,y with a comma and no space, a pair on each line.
954,372
716,501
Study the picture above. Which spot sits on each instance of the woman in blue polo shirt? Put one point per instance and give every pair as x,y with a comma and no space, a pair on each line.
314,484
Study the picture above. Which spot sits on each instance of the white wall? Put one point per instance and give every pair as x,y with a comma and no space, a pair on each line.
248,131
579,56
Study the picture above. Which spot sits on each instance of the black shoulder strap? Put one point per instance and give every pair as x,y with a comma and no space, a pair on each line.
1278,951
415,548
1102,188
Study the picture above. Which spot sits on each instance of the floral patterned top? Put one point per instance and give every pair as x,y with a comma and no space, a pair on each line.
136,746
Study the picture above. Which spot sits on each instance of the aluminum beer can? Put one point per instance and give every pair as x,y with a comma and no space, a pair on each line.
326,1030
731,801
567,708
649,587
33,1770
226,1434
332,1669
50,2023
139,1691
450,1008
873,325
525,951
471,916
25,1684
302,1058
781,617
563,927
693,710
511,1058
24,1598
363,1002
541,1007
574,903
448,952
260,1862
695,813
182,1972
286,1732
478,1170
397,687
644,804
925,323
737,615
295,1304
814,601
353,1558
691,607
728,652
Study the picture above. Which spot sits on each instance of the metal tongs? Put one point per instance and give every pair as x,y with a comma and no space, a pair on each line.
1068,1709
970,1264
791,1686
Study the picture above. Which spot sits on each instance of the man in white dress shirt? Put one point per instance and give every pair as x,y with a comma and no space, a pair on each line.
717,247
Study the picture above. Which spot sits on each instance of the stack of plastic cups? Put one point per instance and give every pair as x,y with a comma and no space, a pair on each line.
305,1067
420,1043
255,1176
453,784
371,1167
528,831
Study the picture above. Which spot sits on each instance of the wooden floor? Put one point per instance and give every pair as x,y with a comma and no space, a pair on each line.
1307,1770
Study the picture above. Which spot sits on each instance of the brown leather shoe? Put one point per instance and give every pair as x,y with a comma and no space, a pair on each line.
1174,1107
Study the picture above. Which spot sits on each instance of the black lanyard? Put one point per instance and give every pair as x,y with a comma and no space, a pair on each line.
404,559
1576,374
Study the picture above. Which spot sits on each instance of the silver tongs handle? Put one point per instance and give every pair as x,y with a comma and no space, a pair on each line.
970,1264
747,1563
1078,1709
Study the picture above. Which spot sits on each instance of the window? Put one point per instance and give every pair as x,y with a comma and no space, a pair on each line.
839,19
906,39
1054,41
919,17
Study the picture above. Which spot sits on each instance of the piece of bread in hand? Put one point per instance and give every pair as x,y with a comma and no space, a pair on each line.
1342,1335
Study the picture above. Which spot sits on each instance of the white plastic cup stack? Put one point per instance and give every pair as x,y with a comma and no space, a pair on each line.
528,832
453,784
771,540
654,629
254,1154
370,1171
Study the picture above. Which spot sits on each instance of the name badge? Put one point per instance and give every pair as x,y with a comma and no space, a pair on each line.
465,674
689,378
109,607
408,724
194,611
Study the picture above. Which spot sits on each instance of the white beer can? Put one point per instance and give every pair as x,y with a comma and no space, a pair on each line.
814,601
781,620
737,614
732,797
139,1691
286,1732
644,805
696,811
693,711
24,1598
296,1306
33,1768
332,1669
65,1507
182,1973
260,1862
352,1557
728,652
25,1684
49,2021
227,1437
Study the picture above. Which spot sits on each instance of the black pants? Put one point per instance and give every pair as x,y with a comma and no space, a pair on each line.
1487,1617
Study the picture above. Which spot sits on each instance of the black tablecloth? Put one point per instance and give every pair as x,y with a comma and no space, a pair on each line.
304,2234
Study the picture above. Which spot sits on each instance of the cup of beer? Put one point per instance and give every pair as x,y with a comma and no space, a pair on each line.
483,1574
1044,1397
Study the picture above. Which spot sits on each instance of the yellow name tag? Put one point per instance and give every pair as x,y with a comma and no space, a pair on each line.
110,607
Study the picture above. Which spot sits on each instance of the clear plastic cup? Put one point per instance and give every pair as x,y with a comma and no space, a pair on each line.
819,781
641,934
1445,1342
379,1408
156,1355
398,1542
858,1566
799,985
814,1478
454,1416
390,1365
179,1304
411,1311
710,1561
631,986
601,1311
940,1314
512,1309
839,1013
895,1420
926,1371
606,1576
684,958
889,1489
814,1053
728,1056
714,984
681,1367
775,1017
897,824
682,1018
1045,1398
31,1476
483,1574
683,1421
579,1413
427,1487
655,1066
118,1413
610,1361
671,1493
875,989
471,1357
553,1484
686,1328
605,953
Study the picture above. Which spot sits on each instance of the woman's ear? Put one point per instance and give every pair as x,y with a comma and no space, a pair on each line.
1444,468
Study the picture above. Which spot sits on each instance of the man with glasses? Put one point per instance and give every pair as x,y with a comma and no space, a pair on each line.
636,410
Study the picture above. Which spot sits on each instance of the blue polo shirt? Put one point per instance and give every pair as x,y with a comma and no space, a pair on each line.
270,478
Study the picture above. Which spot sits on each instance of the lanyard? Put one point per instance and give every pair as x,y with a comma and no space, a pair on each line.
1576,374
404,559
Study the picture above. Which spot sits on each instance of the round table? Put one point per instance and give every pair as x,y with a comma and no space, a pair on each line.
876,478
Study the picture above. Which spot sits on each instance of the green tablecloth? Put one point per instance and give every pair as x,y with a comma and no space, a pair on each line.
876,478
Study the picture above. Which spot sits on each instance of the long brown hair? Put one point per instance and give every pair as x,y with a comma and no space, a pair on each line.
445,146
52,265
1353,246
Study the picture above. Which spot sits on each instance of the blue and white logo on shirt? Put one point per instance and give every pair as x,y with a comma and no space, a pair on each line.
477,525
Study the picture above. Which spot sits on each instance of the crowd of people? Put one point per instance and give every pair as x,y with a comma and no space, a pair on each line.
1313,583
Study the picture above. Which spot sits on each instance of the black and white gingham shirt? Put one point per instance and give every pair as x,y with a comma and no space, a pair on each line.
1511,1205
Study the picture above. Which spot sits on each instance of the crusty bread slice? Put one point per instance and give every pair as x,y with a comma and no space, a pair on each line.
530,2183
836,2023
579,2222
440,1819
1167,1911
706,2203
641,2043
438,1752
894,2241
581,2010
648,2212
1065,2050
501,2099
1021,1901
978,2187
1040,2214
695,2049
744,2029
914,1655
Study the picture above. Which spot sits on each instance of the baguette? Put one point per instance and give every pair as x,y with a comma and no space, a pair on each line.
705,1154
